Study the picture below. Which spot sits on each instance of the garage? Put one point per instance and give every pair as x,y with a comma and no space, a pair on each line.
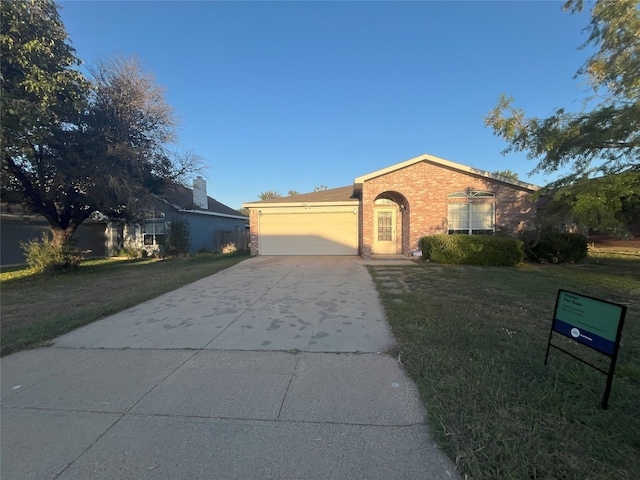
317,223
308,231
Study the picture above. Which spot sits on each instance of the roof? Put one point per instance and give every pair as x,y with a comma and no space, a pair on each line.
181,198
448,164
332,196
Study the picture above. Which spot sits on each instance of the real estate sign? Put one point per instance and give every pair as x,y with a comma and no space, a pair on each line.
592,322
588,320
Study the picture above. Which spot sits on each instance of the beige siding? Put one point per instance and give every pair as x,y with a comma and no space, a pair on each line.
308,231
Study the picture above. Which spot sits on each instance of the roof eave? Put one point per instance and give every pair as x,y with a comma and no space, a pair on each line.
445,163
215,214
300,204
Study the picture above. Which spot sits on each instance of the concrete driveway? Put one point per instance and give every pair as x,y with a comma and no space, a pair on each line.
270,369
317,304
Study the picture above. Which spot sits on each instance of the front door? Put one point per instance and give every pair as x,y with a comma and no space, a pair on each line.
384,240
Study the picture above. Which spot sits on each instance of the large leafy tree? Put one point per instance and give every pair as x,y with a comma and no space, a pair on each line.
72,146
43,97
597,148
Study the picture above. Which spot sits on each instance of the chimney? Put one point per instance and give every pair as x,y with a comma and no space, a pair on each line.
200,193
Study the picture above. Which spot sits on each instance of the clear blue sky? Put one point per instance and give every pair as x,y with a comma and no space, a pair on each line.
291,95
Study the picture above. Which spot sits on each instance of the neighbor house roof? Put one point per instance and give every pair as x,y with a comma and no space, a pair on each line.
447,164
181,198
332,196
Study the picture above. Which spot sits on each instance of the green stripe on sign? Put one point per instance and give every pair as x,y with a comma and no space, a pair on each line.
590,314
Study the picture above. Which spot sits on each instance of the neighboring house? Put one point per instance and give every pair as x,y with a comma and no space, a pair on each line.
213,226
20,226
388,211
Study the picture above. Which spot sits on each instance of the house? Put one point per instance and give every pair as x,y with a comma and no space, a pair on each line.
212,225
20,226
389,210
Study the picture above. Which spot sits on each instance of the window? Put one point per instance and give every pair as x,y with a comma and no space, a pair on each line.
153,229
469,217
471,194
385,227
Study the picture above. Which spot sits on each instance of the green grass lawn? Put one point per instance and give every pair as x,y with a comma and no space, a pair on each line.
474,341
36,309
472,338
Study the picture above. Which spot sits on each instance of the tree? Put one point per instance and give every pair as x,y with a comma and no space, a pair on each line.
43,97
602,140
178,239
320,188
132,129
507,174
293,193
269,195
71,146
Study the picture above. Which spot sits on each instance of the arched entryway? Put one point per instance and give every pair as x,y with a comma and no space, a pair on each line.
390,224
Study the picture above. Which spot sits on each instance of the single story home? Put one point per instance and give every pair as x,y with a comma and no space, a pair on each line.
389,210
212,225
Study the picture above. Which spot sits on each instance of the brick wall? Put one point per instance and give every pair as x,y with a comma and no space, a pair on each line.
426,187
253,231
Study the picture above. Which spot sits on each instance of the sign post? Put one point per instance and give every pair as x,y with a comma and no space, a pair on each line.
591,322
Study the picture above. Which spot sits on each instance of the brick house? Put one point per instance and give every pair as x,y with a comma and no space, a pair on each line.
389,210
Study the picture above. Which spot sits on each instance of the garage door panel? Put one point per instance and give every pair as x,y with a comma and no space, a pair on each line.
309,233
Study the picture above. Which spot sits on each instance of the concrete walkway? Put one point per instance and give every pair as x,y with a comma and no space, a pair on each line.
270,369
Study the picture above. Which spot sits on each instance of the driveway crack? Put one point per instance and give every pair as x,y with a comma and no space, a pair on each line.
286,392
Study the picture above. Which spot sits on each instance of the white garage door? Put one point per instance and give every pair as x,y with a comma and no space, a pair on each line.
309,232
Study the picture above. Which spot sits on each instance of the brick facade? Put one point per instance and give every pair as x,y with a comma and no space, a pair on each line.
418,190
421,191
253,232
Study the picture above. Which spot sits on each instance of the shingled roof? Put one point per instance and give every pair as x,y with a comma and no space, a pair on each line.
331,195
181,198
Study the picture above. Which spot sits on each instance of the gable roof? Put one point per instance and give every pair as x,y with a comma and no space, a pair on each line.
332,196
447,164
181,198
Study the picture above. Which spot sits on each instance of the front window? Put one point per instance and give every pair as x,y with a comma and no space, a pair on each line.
153,228
471,217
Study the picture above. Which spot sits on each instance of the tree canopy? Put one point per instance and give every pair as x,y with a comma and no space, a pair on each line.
72,145
602,140
269,195
511,175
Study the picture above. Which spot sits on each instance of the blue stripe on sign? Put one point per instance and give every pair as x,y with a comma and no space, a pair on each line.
587,338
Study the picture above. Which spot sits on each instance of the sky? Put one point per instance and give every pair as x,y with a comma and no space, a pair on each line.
292,95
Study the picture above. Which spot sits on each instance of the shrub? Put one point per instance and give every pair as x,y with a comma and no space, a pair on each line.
554,247
472,250
178,239
43,256
128,252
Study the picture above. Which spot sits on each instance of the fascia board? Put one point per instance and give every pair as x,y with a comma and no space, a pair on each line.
349,203
214,214
449,164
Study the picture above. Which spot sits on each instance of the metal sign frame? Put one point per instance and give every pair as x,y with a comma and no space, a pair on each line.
592,322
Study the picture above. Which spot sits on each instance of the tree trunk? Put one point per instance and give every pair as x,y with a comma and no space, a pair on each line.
62,236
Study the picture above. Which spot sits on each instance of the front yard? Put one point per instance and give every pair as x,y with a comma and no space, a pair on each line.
36,309
474,340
